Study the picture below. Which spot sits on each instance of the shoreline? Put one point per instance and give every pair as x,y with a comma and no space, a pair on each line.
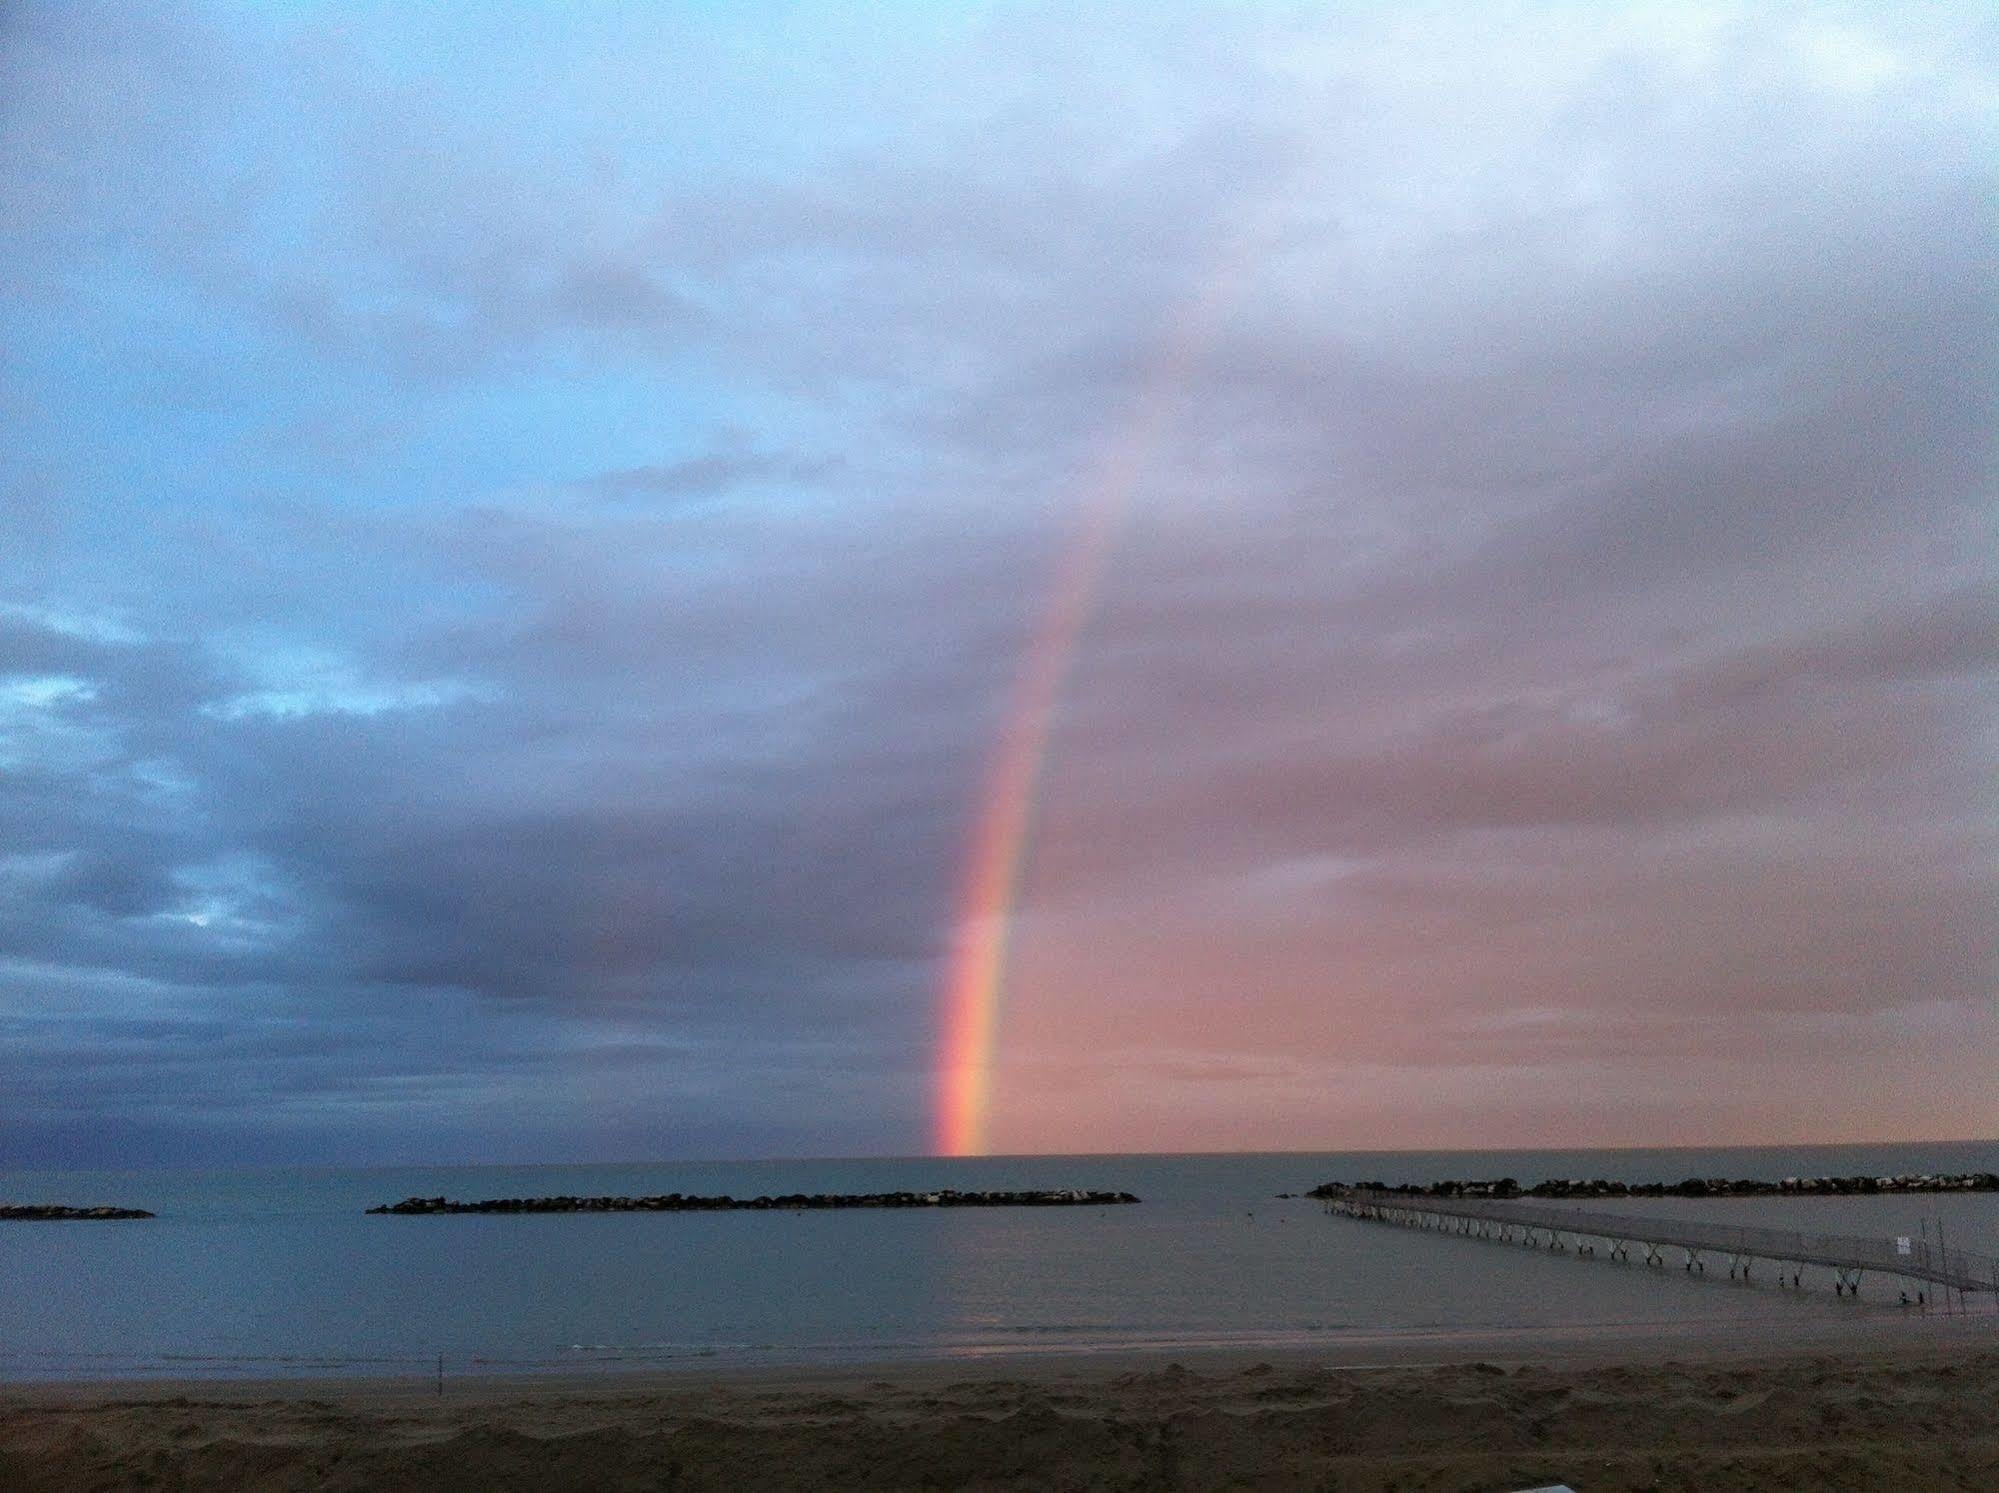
1704,1340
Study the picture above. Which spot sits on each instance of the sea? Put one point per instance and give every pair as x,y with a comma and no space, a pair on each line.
280,1272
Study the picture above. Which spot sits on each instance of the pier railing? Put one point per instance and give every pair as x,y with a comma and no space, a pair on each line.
1915,1259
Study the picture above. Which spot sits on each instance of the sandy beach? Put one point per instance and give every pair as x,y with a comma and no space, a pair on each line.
1914,1404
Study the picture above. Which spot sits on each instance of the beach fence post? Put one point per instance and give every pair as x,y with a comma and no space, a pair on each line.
1923,1296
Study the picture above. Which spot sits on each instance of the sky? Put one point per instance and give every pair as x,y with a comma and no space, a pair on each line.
527,536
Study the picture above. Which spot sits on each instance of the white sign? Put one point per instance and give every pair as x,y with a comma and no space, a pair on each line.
1901,1244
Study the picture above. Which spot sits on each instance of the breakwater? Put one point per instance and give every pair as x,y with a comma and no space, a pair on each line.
674,1202
1691,1187
61,1213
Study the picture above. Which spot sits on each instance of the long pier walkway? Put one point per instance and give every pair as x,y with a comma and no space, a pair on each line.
1849,1257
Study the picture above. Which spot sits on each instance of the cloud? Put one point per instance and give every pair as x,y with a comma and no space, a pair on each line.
709,476
521,542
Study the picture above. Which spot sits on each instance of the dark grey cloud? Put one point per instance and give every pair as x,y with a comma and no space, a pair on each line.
708,476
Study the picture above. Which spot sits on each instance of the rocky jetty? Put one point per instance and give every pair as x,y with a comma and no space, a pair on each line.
57,1213
675,1202
1692,1187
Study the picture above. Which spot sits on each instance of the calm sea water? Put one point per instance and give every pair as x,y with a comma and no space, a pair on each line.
279,1272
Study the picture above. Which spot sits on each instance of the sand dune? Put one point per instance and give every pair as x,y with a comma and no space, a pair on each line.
1918,1414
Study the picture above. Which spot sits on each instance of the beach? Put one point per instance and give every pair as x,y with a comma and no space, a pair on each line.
265,1332
1843,1405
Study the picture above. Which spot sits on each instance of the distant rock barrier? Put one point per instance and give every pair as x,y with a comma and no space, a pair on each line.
57,1213
674,1202
1692,1187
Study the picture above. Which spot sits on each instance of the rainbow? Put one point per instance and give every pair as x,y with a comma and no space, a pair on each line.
975,971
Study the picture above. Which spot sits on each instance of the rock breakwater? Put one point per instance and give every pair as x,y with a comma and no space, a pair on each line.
675,1202
60,1213
1691,1187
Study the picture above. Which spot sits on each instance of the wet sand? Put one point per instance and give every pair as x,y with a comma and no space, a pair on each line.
1902,1404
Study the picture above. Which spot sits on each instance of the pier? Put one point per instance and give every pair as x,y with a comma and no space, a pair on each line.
1923,1262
